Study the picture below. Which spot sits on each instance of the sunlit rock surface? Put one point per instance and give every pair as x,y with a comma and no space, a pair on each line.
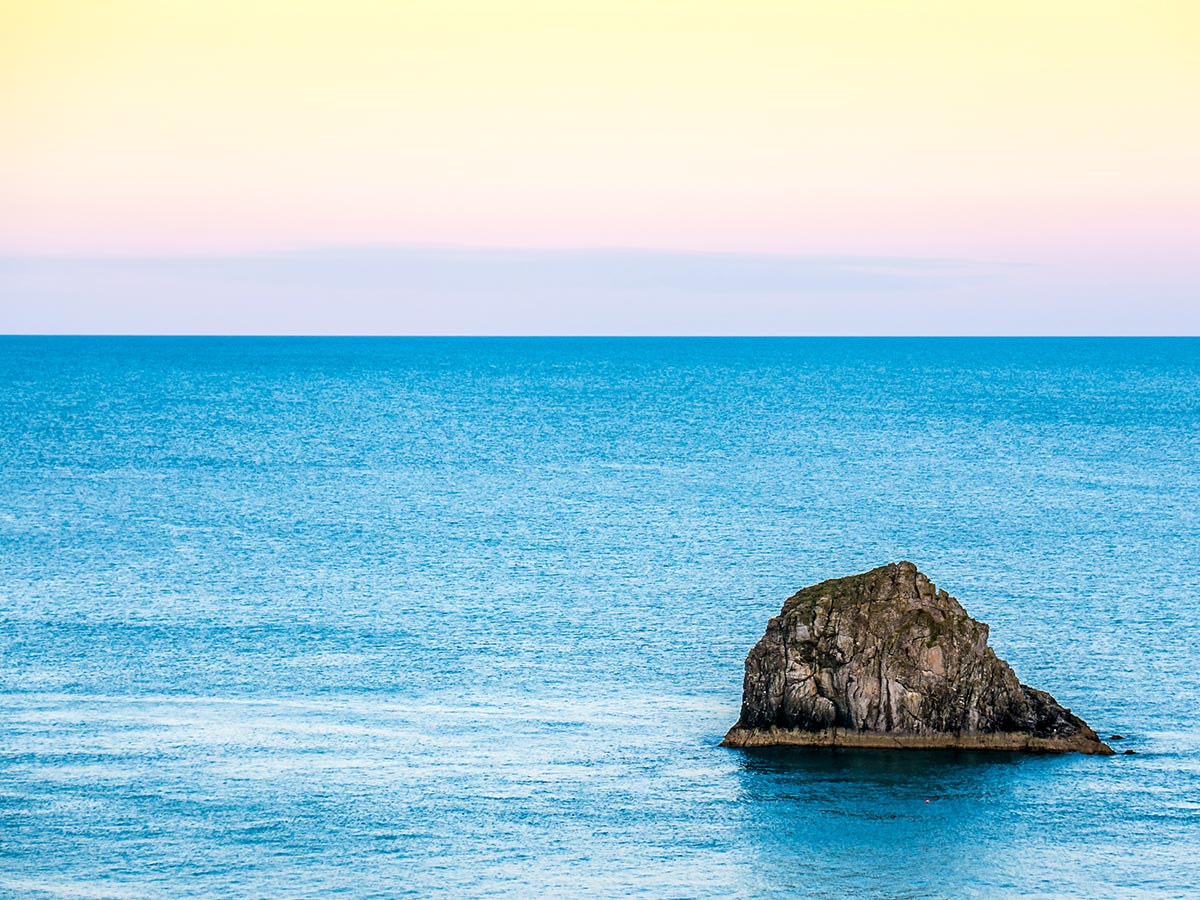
885,659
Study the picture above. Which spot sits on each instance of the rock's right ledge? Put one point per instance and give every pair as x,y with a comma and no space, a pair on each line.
886,660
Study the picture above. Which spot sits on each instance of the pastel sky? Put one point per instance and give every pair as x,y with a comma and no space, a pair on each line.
1055,138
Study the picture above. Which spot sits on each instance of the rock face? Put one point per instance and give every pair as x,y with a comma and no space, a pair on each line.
885,659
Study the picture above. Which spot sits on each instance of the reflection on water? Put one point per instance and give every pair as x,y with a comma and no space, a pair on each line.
886,824
876,822
864,765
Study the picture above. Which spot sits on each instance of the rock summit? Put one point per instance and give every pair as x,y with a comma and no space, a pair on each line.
885,659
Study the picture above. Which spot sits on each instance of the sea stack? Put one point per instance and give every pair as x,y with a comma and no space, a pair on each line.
885,659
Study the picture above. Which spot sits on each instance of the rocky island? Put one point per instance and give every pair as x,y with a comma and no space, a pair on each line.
885,659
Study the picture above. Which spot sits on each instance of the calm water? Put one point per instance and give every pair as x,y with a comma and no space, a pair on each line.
466,618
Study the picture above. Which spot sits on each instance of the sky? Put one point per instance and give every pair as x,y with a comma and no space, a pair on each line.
461,166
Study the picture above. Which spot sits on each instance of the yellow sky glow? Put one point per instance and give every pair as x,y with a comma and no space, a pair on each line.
897,127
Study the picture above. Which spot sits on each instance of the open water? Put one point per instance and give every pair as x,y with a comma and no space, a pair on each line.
465,618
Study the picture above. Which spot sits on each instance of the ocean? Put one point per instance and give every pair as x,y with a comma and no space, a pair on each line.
466,618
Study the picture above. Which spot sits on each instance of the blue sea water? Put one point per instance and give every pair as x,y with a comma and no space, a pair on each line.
465,618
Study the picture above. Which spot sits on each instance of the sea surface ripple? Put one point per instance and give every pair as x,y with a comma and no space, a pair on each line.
465,618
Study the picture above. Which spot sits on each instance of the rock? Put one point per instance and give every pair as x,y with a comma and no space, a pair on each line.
1130,753
1116,737
885,659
